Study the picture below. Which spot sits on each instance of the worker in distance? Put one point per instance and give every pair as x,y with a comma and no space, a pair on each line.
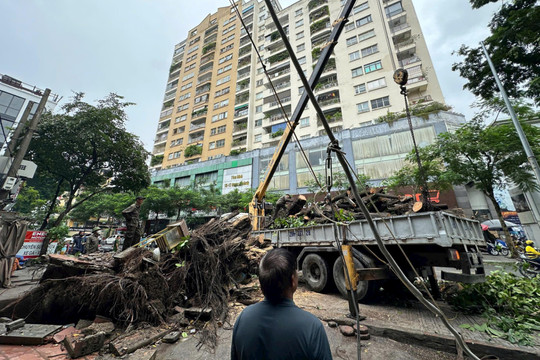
276,328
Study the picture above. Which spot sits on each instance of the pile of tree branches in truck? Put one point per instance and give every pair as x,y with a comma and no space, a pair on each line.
295,211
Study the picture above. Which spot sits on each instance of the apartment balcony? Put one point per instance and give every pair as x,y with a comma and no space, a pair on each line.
424,99
418,83
409,61
284,20
405,45
275,49
277,74
199,113
206,68
278,117
320,27
243,61
194,127
240,127
210,39
327,84
207,58
166,112
400,29
280,86
194,139
275,104
395,13
241,99
159,140
314,5
239,141
320,13
241,113
332,117
210,31
243,31
169,97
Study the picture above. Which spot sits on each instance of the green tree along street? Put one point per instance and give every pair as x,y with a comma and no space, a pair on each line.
514,48
87,147
489,157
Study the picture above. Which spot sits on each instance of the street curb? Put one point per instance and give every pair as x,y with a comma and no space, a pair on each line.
448,344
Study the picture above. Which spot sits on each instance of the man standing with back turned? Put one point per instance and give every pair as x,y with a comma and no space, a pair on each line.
133,231
276,328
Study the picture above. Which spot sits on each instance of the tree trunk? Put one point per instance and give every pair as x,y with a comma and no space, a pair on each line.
51,207
509,240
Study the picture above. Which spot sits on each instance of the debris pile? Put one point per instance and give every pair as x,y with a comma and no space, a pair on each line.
132,288
343,207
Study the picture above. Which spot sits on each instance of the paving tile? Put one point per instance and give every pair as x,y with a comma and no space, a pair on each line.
51,350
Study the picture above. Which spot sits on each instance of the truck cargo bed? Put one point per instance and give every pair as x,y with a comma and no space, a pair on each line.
437,227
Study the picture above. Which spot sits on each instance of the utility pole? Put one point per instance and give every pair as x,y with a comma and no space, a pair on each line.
25,143
22,123
519,129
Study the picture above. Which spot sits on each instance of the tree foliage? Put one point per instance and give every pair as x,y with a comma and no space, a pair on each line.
486,156
514,47
86,147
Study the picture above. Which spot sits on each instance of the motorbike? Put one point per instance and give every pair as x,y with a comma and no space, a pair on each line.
527,267
501,247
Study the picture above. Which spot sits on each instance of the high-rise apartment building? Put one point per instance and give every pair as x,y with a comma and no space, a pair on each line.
219,101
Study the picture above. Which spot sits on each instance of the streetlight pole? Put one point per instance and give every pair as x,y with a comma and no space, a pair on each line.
400,77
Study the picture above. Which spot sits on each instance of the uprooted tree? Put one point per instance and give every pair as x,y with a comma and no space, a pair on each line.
86,147
487,156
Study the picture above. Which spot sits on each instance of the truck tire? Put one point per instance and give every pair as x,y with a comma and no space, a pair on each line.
316,272
365,290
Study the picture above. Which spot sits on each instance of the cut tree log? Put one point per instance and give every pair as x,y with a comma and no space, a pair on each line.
417,206
296,205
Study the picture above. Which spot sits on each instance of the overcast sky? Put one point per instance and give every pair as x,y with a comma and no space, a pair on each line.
125,46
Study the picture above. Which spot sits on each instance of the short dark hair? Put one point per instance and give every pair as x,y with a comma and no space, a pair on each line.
275,273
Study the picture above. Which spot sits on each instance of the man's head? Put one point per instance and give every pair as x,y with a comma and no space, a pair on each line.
277,275
96,230
529,242
139,200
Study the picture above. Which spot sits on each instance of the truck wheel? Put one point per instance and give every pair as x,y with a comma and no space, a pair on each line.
315,270
364,290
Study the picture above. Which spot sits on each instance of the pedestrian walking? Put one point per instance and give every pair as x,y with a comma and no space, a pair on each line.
133,232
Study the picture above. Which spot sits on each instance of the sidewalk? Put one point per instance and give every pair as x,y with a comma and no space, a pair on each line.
21,281
413,324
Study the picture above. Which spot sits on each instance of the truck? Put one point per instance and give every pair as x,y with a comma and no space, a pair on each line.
429,239
419,242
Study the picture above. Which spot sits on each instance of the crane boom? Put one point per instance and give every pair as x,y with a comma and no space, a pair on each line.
256,207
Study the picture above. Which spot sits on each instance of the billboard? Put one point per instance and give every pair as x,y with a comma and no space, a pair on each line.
238,178
32,244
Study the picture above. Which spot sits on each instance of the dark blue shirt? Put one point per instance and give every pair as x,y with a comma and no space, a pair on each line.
282,331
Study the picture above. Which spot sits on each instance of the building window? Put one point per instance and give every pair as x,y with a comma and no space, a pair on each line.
193,33
225,68
369,50
376,84
372,66
211,145
259,82
299,23
258,138
363,21
259,95
220,143
298,12
362,107
360,7
188,76
354,56
300,35
258,109
221,104
219,116
304,122
350,26
300,47
360,89
357,71
225,58
170,156
352,40
258,122
301,90
223,80
393,9
380,102
366,35
181,118
302,60
187,86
